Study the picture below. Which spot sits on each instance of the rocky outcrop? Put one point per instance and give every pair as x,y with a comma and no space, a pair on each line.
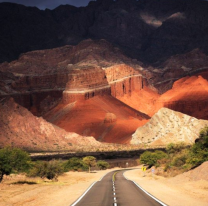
19,128
38,79
85,83
124,79
168,126
109,118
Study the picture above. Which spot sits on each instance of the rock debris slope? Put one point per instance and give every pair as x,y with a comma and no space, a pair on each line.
103,117
168,126
20,128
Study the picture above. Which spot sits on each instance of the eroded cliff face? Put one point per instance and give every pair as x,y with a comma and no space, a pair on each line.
39,80
85,83
124,79
168,126
19,128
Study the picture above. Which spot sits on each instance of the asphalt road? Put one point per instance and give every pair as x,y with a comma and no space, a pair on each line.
121,192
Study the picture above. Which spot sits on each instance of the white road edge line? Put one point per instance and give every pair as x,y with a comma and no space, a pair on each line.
145,191
84,194
73,204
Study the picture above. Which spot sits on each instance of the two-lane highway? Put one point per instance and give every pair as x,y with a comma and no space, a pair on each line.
115,190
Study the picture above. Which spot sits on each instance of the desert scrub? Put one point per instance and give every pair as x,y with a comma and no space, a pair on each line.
75,164
50,170
151,158
175,148
103,165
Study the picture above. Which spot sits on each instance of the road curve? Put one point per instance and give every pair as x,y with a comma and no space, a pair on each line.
115,190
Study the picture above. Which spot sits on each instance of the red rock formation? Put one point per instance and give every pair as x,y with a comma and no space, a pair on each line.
37,79
142,100
88,117
85,83
123,79
189,95
20,128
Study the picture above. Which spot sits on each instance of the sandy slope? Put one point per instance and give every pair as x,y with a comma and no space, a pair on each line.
178,191
87,118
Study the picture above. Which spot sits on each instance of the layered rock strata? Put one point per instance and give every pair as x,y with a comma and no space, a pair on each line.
39,80
124,79
168,126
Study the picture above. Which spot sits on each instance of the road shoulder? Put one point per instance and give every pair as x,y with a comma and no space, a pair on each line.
167,190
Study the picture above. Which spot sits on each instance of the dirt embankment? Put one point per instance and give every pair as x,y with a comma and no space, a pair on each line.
187,189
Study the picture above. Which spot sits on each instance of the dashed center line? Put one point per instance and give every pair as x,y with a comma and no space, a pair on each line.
114,189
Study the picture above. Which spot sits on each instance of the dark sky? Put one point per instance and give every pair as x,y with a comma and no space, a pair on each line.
51,4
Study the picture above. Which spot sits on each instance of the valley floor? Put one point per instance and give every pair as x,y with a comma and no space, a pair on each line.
173,191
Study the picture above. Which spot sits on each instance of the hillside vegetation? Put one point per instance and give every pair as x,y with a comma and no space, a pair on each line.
179,157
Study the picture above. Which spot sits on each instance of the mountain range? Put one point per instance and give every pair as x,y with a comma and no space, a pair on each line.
102,70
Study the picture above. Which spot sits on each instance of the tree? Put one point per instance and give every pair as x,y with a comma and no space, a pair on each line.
50,170
13,160
102,165
90,161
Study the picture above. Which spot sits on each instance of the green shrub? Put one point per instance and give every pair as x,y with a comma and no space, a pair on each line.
102,165
151,158
50,170
203,137
175,148
76,164
179,161
13,160
198,153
